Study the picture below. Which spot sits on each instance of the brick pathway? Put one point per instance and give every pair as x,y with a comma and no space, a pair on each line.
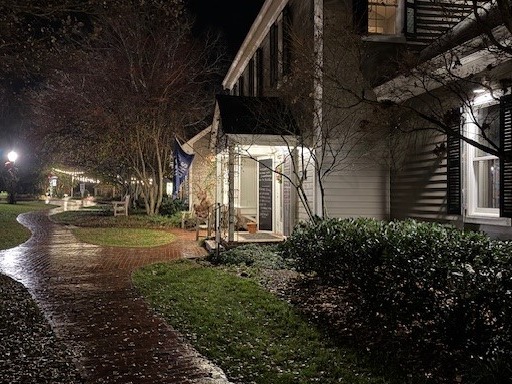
86,293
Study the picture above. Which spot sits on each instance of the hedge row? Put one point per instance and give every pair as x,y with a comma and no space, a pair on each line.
429,288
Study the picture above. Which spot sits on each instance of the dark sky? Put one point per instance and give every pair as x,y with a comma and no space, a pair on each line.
233,17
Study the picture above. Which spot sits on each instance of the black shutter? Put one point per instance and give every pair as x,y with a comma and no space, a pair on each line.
360,16
274,59
453,167
259,72
287,40
506,156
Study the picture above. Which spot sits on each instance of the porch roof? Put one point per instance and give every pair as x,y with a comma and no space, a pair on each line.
255,115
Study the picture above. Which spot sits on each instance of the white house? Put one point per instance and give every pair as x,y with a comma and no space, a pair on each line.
297,133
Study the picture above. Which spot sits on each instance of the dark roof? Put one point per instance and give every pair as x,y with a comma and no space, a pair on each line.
255,115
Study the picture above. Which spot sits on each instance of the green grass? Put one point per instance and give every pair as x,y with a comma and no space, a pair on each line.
124,237
105,218
251,334
13,233
100,227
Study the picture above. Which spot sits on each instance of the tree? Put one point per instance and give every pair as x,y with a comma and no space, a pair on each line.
119,101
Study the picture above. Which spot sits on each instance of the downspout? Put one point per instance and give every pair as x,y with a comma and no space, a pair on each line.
318,32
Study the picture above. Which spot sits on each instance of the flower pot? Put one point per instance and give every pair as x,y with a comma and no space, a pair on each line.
252,227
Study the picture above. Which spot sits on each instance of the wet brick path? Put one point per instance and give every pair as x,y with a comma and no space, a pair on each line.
86,293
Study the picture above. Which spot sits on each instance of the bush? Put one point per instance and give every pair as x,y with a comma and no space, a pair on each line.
171,206
251,255
436,292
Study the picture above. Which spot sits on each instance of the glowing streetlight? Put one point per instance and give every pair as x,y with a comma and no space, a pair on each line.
12,156
11,169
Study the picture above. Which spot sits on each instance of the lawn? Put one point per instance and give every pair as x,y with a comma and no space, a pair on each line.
100,227
13,233
250,333
124,237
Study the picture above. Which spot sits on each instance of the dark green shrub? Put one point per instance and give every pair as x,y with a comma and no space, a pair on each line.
170,206
426,290
252,255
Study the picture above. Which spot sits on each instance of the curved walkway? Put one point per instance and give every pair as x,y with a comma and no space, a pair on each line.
86,293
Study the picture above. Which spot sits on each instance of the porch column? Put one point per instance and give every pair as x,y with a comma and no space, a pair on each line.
231,192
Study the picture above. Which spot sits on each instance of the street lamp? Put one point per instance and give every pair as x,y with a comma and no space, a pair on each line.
11,169
12,157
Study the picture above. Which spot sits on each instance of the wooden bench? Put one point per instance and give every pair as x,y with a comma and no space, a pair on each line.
121,207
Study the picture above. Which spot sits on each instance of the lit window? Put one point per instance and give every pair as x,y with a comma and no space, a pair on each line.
382,17
484,168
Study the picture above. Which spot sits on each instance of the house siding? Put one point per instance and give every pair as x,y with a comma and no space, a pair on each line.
419,185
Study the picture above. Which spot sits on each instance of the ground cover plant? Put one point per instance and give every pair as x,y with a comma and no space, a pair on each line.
13,233
250,333
440,299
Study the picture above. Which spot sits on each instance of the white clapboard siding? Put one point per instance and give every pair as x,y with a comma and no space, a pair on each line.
361,191
418,187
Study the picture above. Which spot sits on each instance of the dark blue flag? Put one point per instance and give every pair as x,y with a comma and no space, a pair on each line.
182,162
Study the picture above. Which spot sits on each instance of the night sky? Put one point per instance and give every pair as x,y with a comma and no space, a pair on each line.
232,17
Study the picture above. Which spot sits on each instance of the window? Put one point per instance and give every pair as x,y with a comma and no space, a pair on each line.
487,178
241,89
483,169
382,17
251,77
378,17
287,40
259,72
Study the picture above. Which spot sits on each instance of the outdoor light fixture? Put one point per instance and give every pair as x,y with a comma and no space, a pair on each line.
11,169
12,156
479,90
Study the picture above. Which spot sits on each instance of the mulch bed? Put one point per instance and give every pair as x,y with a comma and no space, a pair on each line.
29,350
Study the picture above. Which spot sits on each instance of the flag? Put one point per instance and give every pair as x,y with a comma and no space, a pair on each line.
182,162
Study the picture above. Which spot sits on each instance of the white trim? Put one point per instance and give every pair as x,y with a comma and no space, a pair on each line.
402,88
471,186
197,137
485,220
268,14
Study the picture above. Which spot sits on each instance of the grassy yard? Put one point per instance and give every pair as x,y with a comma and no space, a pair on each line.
250,333
105,219
124,237
100,227
13,233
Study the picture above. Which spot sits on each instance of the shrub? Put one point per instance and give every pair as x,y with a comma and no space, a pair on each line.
171,206
252,255
435,291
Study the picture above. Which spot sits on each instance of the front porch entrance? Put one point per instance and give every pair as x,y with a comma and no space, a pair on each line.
252,188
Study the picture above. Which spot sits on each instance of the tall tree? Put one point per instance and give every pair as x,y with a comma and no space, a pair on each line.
118,102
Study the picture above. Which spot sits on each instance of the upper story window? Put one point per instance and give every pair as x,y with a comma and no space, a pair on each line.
252,88
241,86
274,54
378,17
259,72
382,17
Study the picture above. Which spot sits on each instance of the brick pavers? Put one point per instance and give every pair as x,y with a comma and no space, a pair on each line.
86,293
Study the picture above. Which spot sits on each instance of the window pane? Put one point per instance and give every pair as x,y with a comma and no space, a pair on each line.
487,174
382,17
488,127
